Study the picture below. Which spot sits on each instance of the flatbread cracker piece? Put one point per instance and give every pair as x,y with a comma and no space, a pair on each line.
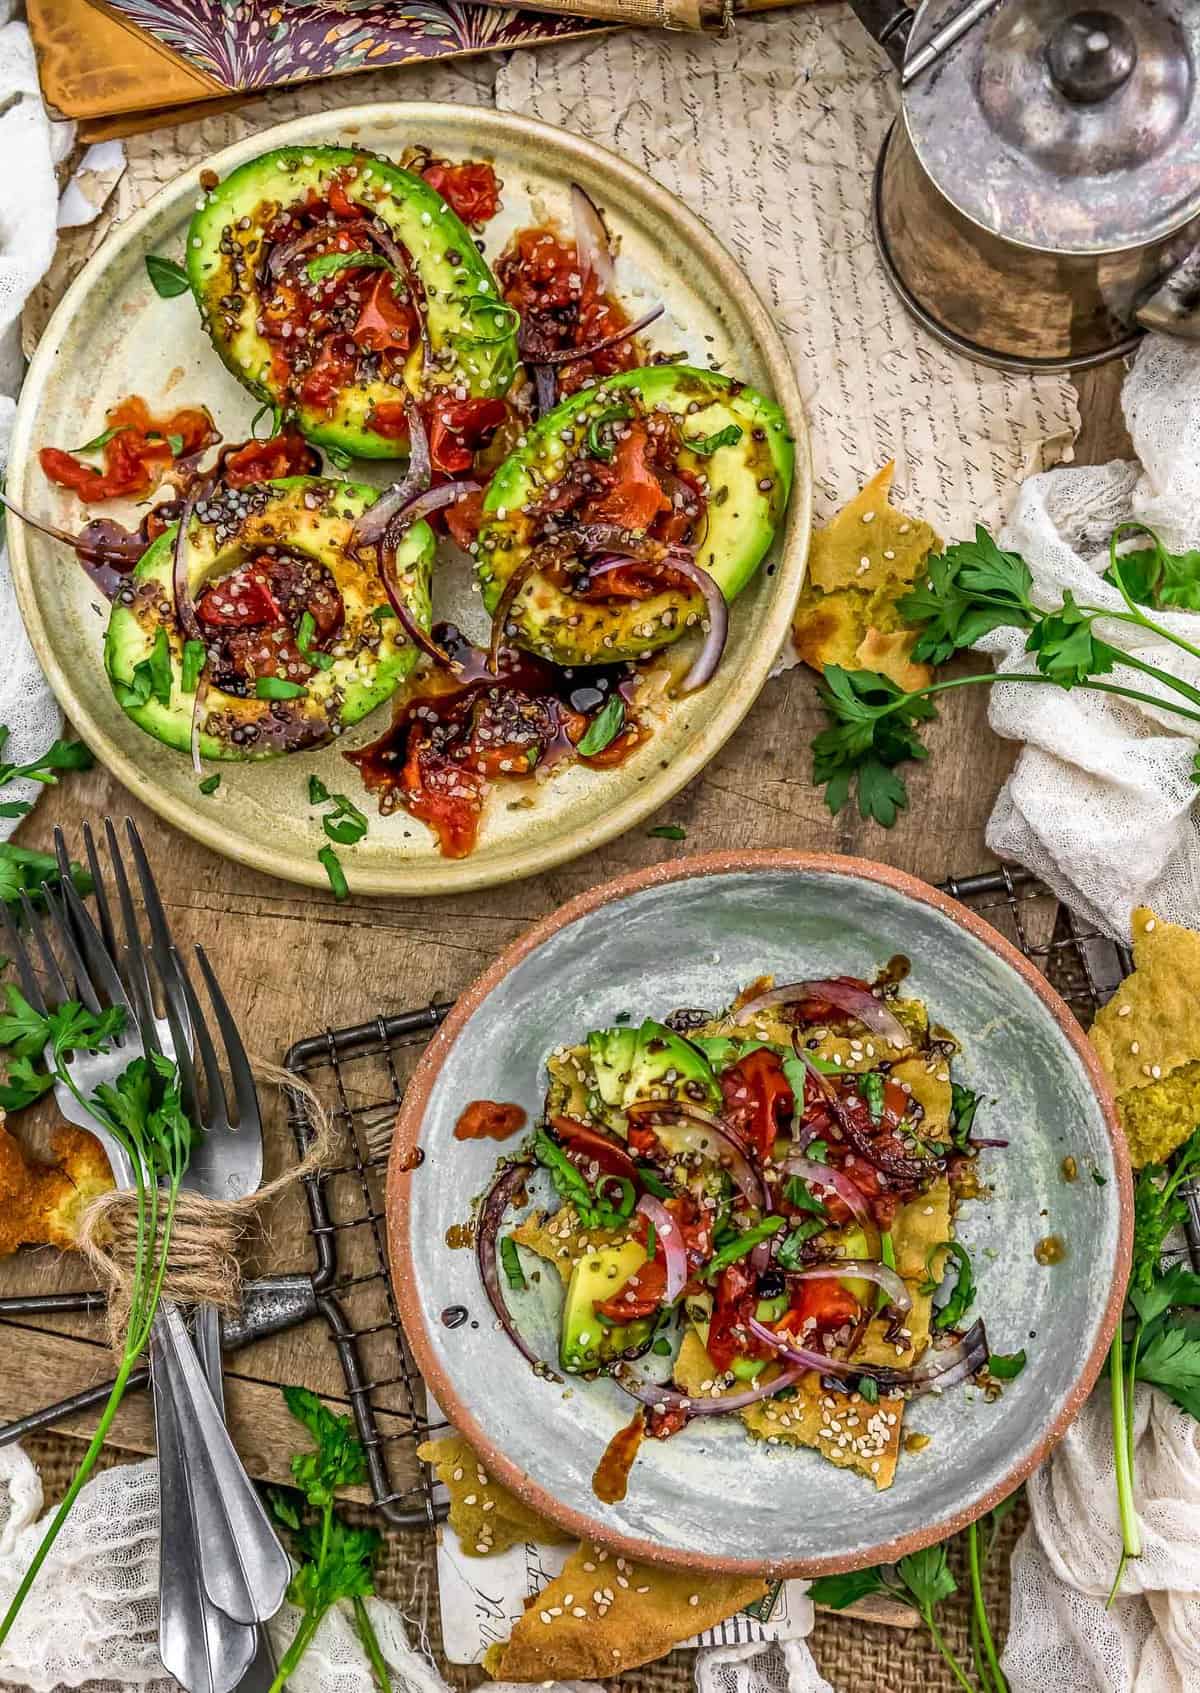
1148,1039
859,566
842,1427
606,1614
485,1516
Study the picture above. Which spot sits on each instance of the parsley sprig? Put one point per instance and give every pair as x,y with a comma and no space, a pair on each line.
971,589
59,755
1158,1337
337,1560
144,1110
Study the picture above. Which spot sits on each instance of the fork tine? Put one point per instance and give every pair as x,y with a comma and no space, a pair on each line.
57,981
108,934
160,929
139,973
82,942
30,986
85,989
239,1065
214,1081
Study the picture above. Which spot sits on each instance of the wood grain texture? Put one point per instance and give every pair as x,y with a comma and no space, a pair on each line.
294,962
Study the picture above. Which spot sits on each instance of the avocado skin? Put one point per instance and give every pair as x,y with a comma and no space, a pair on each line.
128,640
484,368
750,484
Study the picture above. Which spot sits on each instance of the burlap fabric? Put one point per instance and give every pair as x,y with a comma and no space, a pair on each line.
855,1657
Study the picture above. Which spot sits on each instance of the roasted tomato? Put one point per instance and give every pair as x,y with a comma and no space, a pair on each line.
561,308
758,1100
641,1295
595,1145
462,518
470,189
138,453
333,370
728,1336
459,428
819,1307
285,454
385,324
440,792
636,497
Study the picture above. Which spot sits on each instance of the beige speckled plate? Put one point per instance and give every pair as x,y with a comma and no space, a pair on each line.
113,336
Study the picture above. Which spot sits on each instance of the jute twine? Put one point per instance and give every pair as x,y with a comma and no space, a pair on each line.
208,1236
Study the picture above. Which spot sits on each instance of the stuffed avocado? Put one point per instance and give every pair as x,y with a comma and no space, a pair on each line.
297,638
336,286
645,469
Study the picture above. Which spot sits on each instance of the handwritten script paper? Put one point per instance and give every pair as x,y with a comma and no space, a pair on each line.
771,136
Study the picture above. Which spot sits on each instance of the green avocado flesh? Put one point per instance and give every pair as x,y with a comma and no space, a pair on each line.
586,1341
747,484
651,1062
472,347
305,518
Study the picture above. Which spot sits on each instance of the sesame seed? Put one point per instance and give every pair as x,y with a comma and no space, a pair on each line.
545,1616
694,1599
1150,924
1125,1011
1155,1071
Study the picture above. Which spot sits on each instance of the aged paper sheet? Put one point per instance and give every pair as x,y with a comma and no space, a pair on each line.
771,136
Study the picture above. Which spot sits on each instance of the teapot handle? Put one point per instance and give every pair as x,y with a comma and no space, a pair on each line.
889,22
1174,306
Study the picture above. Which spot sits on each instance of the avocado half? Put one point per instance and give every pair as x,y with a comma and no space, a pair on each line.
371,656
471,331
748,487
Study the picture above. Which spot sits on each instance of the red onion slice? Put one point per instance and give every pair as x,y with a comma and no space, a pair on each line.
491,1216
545,388
592,245
938,1371
369,529
545,553
824,1175
197,705
424,505
855,999
860,1269
572,355
185,611
680,560
660,1398
710,1136
420,638
670,1237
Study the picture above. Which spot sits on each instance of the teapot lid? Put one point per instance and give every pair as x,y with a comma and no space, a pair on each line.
1070,129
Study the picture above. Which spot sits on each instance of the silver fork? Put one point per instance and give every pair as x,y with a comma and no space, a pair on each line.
238,1547
199,1644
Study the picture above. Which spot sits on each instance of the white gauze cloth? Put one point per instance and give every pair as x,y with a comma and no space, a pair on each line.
1061,1635
1101,803
29,146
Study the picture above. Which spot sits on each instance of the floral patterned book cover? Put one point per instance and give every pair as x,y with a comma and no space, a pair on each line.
251,44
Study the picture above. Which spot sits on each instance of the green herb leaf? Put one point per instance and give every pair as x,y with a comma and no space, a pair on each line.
318,793
964,1103
210,784
835,1592
99,441
511,1264
23,1084
789,1254
160,666
1065,648
798,1193
167,278
743,1243
329,264
1176,1286
969,590
337,456
271,411
277,688
194,655
868,1389
872,728
566,1178
22,871
333,869
962,1293
1006,1366
668,832
338,1460
304,634
1153,575
706,445
604,728
1170,1358
597,445
927,1576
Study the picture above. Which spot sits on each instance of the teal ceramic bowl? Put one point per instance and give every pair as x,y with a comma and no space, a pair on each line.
691,933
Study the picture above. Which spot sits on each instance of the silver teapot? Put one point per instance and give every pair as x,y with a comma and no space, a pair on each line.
1037,201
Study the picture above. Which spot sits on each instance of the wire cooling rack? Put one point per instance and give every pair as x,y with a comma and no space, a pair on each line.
360,1075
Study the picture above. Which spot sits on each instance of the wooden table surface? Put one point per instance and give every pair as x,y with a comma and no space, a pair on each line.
293,961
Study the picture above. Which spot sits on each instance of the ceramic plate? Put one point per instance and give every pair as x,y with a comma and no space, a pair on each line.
691,934
113,336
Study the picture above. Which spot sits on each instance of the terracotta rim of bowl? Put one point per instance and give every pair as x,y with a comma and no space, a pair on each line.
407,1133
